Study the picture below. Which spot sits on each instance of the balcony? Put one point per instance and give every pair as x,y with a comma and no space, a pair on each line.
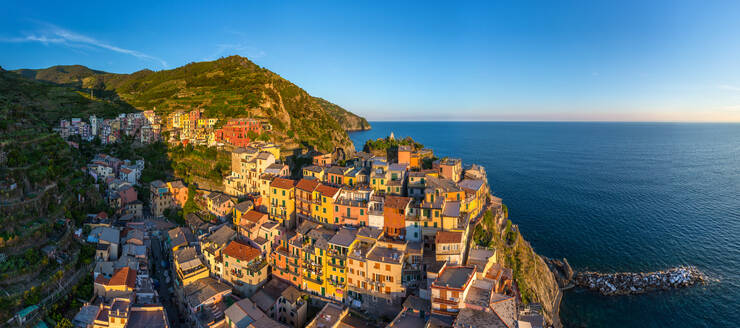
336,284
336,265
315,280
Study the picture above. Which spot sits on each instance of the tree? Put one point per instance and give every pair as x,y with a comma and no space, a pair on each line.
64,323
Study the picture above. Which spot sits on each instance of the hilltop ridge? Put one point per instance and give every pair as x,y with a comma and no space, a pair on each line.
229,87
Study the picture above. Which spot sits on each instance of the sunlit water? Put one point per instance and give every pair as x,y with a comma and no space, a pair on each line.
614,197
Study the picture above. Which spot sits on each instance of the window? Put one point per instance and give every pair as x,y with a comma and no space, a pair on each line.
283,192
362,211
387,267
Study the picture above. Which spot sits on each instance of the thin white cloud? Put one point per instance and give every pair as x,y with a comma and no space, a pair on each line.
52,34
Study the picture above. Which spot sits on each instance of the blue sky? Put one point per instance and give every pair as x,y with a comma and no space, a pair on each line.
517,60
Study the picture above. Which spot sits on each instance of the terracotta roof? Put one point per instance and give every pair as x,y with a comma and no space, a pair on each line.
124,276
282,183
307,184
254,216
241,251
448,237
327,190
396,201
101,280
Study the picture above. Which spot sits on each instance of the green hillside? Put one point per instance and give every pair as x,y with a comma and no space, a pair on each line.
40,183
348,120
226,88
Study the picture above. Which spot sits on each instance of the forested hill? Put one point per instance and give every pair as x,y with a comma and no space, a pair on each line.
225,88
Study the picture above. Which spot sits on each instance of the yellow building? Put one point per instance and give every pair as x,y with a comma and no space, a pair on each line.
315,260
336,277
282,201
240,209
313,171
323,210
188,265
177,119
379,178
476,191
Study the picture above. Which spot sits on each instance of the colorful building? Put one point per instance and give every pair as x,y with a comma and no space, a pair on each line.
304,200
336,277
244,267
323,210
282,201
179,192
237,131
395,210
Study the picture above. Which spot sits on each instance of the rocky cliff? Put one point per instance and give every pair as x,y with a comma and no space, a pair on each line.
533,276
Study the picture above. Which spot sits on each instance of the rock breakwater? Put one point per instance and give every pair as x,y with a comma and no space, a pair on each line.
624,283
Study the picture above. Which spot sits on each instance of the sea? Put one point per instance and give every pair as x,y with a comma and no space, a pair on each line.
613,197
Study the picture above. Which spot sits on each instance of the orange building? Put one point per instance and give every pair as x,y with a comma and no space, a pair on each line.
335,174
304,198
404,154
351,212
394,213
250,223
179,192
451,168
322,160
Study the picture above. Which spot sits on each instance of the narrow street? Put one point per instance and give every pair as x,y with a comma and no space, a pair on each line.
167,300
